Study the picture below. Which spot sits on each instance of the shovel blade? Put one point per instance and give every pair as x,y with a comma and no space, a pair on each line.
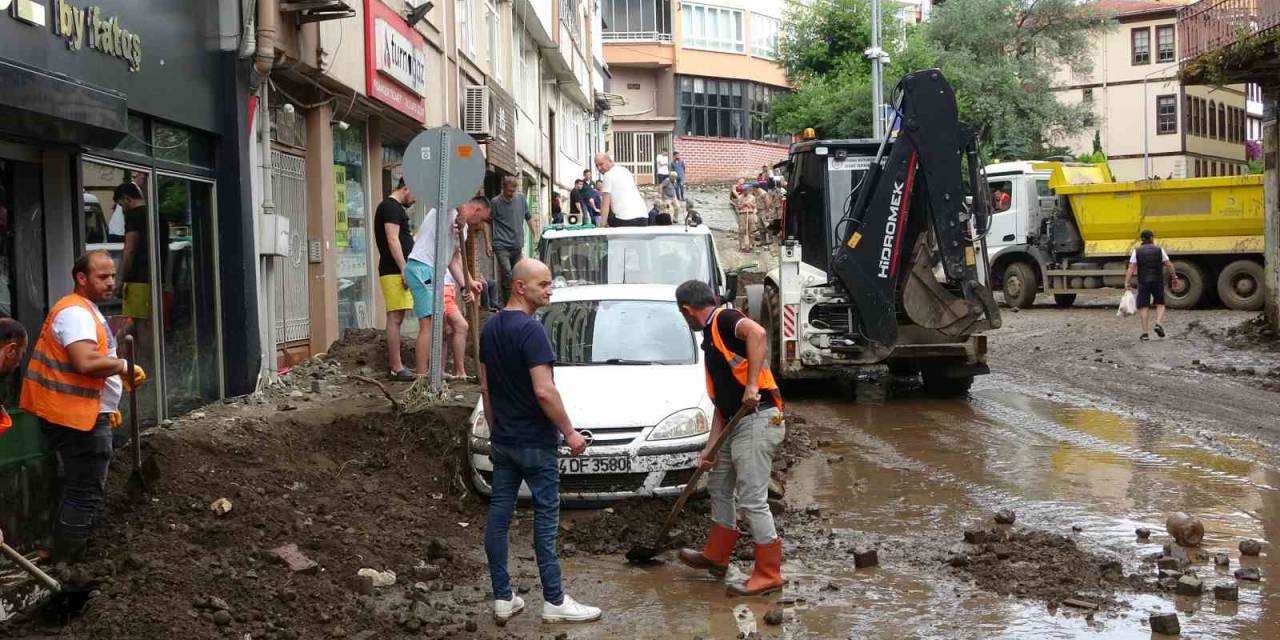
641,554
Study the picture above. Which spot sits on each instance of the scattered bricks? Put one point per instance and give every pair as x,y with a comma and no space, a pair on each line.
1168,573
865,558
982,536
1143,533
1168,584
1189,585
1166,623
773,617
1169,564
1221,560
1251,574
426,572
293,558
1250,547
1080,604
1229,592
1006,516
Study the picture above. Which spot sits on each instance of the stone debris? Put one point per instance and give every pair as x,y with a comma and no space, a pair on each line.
294,559
1143,533
1169,563
1221,560
773,617
1186,530
1250,547
1229,592
1166,623
221,506
863,558
1080,604
1189,585
1006,516
1252,574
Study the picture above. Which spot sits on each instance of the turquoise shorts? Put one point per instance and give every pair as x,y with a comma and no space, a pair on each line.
420,276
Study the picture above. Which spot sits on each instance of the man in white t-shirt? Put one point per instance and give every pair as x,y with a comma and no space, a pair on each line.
420,271
663,166
621,204
73,385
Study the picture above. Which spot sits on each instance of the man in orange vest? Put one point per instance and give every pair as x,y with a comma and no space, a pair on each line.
13,345
73,384
737,378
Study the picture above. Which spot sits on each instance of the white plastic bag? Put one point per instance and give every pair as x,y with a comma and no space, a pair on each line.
1128,304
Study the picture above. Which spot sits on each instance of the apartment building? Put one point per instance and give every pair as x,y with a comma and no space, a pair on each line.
697,78
1149,122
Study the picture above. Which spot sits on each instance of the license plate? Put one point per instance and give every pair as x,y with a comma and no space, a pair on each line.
600,464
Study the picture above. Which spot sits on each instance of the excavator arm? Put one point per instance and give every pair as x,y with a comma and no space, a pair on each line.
908,245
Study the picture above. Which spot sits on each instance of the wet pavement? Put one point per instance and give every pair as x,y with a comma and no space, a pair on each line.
909,475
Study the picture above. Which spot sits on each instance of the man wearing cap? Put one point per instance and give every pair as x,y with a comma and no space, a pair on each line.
1149,262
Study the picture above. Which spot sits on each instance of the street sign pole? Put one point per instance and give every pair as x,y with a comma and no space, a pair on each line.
444,168
441,265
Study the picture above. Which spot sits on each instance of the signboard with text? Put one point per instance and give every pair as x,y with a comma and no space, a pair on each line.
395,61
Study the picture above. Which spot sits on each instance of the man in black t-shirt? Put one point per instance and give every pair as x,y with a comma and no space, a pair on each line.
395,242
737,379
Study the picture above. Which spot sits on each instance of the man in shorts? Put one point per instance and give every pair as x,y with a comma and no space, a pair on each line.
420,271
391,234
1149,262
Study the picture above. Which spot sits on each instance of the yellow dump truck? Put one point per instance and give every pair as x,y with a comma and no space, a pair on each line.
1068,228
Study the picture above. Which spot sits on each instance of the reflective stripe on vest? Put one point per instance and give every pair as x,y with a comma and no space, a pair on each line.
738,364
52,389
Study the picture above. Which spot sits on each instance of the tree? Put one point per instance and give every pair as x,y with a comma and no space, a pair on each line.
1000,55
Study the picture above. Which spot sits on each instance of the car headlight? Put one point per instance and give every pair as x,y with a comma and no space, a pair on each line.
480,428
681,424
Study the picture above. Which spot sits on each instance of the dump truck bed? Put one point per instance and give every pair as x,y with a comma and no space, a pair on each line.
1188,215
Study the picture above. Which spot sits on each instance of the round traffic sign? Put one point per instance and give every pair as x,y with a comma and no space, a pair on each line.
449,150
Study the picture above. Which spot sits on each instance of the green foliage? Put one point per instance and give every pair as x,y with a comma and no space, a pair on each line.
1000,55
1097,157
1255,167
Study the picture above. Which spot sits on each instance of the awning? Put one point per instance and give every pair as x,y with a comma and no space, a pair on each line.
57,109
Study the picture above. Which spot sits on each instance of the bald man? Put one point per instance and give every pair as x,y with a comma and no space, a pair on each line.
621,204
526,422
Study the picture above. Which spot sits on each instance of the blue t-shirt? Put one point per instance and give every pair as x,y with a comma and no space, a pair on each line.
511,343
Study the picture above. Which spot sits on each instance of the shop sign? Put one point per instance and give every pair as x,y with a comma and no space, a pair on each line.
395,61
81,27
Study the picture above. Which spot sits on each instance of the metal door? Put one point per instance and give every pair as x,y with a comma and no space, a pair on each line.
634,150
292,313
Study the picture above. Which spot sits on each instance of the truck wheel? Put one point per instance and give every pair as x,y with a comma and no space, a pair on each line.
1020,285
1064,300
937,383
769,318
1240,285
1187,288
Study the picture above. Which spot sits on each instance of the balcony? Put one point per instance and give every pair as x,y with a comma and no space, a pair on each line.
643,21
1212,39
610,37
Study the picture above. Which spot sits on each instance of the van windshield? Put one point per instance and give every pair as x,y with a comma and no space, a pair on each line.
630,259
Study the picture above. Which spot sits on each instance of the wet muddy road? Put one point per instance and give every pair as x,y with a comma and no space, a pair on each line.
909,476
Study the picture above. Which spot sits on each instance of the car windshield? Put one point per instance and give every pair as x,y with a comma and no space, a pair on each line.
622,332
629,259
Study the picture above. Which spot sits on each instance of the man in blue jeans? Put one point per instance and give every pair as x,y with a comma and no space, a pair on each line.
526,421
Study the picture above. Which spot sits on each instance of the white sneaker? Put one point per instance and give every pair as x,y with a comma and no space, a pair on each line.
503,610
570,611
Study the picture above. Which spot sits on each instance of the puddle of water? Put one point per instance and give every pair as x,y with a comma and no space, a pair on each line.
919,471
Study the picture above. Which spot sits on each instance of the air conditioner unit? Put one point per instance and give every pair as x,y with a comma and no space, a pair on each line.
475,110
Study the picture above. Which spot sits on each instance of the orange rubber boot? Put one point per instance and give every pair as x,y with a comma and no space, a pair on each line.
714,557
766,577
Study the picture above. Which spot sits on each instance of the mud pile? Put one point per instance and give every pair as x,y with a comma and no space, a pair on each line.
1039,565
367,490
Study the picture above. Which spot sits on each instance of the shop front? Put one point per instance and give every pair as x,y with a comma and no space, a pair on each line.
121,130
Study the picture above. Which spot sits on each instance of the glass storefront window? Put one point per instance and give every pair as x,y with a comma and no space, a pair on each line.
177,144
352,238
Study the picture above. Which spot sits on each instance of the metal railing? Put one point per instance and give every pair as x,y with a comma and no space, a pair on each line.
1212,24
635,36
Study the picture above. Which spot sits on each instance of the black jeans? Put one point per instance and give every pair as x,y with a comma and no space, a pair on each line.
615,221
83,458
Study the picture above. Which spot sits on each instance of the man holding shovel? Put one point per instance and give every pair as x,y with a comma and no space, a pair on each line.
73,384
737,377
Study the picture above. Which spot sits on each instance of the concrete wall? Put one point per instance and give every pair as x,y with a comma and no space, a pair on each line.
341,49
714,159
1271,230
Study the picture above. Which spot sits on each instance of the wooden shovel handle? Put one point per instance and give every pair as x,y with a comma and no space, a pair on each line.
697,472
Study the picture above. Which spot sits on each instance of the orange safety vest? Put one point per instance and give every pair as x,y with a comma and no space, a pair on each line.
6,421
738,364
52,389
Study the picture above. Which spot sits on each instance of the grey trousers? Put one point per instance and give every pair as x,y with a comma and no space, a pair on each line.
507,259
740,477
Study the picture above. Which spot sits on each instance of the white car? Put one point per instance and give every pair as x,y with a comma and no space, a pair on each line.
631,375
632,255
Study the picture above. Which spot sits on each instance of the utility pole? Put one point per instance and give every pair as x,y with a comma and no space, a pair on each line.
878,58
